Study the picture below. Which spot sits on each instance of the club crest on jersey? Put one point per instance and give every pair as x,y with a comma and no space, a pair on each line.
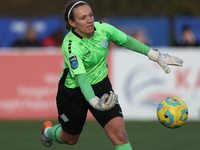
73,62
104,43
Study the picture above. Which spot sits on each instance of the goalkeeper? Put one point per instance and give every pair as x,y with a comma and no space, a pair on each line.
84,83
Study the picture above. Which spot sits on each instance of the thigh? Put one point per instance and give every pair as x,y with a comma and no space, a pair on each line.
72,109
103,117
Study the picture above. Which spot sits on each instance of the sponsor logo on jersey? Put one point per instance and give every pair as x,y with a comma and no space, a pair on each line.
73,62
104,43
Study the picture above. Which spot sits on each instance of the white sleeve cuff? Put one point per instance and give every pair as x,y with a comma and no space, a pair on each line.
153,54
94,101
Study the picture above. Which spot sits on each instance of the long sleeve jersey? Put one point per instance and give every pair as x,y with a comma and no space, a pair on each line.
88,55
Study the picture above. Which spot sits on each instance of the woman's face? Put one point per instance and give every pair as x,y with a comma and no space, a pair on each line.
83,21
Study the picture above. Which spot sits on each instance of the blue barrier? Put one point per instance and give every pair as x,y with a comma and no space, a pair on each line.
182,21
157,29
12,28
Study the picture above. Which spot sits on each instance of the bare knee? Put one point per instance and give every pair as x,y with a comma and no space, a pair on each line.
115,130
69,139
70,142
121,135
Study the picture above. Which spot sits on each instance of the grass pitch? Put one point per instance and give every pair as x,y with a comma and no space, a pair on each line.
25,135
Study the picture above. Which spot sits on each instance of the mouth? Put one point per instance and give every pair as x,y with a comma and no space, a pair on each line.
90,27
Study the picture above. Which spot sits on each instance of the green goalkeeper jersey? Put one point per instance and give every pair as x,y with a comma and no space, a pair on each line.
88,55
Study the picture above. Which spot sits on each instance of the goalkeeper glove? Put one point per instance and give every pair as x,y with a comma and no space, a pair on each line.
105,103
164,60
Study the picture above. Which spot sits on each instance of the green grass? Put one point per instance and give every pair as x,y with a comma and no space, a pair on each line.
25,135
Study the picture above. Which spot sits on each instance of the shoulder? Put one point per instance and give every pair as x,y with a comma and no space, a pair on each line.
103,25
104,28
70,39
70,43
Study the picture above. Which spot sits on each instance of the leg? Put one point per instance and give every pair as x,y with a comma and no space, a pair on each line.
72,111
115,129
113,124
56,134
69,139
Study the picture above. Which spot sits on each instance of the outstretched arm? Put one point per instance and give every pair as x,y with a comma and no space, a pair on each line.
162,59
135,45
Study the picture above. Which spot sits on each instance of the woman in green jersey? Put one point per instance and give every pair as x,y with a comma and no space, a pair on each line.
84,84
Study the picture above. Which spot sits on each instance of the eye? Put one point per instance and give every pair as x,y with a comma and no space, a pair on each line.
82,18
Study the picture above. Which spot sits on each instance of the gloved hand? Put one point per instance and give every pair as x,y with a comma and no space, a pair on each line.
105,103
164,60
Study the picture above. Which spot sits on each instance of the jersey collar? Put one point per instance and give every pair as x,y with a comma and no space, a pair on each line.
75,33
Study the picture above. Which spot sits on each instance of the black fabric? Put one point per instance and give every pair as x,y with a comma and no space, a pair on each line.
64,75
73,105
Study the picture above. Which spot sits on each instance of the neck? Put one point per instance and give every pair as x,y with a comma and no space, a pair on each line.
84,35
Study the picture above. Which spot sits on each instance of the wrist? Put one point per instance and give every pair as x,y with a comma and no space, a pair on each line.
93,101
153,54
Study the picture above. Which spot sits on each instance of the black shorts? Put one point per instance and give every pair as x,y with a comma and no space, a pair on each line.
72,107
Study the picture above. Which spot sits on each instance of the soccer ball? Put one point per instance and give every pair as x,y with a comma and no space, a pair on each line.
172,112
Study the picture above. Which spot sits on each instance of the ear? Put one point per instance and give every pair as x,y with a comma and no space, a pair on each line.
72,23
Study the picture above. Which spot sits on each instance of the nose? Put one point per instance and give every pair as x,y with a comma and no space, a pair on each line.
89,19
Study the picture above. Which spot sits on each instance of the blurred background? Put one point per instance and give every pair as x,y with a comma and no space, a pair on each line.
31,33
161,23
